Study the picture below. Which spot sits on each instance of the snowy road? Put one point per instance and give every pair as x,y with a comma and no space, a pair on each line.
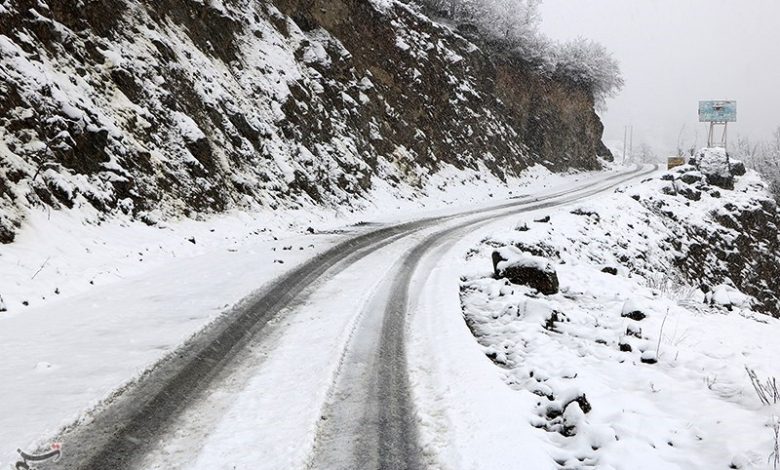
316,365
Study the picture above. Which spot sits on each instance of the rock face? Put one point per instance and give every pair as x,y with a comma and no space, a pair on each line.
532,271
170,107
738,241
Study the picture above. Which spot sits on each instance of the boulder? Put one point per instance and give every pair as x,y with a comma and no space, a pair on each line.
522,269
610,270
692,177
633,310
649,357
714,164
727,297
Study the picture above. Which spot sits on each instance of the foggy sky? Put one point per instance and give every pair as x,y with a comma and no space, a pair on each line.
674,53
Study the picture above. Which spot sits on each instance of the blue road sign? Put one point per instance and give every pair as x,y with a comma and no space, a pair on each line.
717,111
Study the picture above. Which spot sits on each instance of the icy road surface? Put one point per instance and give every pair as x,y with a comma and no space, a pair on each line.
310,371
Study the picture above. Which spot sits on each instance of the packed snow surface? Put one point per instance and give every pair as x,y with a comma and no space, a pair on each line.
92,303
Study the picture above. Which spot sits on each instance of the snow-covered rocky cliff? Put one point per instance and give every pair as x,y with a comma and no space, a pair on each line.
169,108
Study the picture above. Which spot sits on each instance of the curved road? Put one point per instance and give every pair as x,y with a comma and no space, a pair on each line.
369,421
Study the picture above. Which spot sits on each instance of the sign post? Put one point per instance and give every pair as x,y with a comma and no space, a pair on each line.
718,114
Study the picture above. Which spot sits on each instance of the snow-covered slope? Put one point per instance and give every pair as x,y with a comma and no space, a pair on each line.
180,107
638,362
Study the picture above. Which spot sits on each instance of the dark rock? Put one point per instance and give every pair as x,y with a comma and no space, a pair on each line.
649,360
625,347
587,213
634,330
610,270
689,193
737,168
637,315
582,401
551,322
667,177
531,271
543,220
692,177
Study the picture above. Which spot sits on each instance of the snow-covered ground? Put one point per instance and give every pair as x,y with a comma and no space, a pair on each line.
92,305
588,382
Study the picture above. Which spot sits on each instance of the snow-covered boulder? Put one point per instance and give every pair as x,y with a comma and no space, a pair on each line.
692,177
727,297
649,357
523,269
634,310
737,167
714,164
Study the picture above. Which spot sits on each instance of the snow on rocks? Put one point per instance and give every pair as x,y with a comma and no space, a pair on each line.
634,310
524,269
728,297
660,362
714,164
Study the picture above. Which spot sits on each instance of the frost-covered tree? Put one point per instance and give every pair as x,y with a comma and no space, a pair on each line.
764,157
512,22
511,27
588,63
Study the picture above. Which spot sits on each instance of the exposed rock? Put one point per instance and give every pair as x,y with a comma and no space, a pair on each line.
714,164
519,268
737,167
689,193
610,270
176,106
551,323
587,213
633,310
649,357
692,177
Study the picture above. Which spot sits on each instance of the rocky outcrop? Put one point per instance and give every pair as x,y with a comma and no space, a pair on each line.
738,241
168,108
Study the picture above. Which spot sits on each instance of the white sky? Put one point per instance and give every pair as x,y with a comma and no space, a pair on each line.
674,53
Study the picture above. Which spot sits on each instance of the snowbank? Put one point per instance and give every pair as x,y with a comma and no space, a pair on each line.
660,364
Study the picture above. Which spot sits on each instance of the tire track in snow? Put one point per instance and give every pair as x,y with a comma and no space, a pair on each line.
370,421
118,434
